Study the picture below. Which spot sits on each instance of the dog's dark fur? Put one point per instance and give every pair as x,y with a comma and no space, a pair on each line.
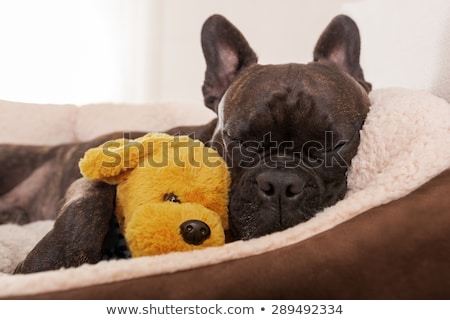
288,133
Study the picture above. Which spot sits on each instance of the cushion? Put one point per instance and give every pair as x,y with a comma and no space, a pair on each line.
39,124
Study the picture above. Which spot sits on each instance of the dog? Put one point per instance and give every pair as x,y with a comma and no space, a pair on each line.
288,133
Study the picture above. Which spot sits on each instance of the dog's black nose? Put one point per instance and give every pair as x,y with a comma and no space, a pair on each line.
279,185
195,232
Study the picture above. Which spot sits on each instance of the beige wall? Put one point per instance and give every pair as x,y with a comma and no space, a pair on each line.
88,51
404,43
280,31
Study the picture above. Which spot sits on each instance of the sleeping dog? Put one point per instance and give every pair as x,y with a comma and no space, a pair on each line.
288,133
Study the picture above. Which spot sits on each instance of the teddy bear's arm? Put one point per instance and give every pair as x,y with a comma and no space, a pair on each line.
79,231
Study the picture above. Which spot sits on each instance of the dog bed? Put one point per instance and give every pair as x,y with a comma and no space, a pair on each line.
389,238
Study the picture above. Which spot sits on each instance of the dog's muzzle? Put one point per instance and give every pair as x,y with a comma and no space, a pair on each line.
271,197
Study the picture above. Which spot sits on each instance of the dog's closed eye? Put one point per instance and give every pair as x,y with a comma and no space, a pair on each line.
336,147
228,138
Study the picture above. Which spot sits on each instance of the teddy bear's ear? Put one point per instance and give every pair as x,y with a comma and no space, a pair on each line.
112,161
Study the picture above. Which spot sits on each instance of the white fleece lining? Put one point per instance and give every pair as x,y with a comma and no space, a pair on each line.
405,142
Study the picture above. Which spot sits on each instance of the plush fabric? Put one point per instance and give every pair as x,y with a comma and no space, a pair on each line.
388,238
16,241
162,166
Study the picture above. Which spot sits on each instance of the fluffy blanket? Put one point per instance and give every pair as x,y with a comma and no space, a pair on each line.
16,241
404,143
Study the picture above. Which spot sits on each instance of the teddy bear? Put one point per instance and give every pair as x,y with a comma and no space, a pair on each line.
172,191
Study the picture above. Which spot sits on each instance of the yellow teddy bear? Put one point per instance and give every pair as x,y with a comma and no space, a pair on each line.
172,191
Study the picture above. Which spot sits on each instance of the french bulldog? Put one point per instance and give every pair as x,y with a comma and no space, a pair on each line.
288,133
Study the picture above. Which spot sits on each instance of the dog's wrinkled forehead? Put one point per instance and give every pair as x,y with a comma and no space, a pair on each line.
287,96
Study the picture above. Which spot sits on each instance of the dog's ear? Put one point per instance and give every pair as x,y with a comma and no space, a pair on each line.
340,42
226,52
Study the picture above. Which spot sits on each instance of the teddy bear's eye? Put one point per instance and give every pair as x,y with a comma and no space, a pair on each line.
171,197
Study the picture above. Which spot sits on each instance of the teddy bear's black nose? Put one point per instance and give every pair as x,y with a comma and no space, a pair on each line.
195,232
